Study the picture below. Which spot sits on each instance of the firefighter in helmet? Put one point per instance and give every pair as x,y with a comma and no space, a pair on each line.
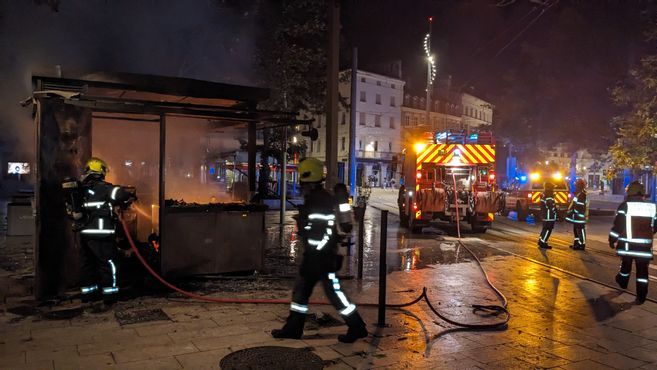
98,250
320,219
548,214
631,236
578,214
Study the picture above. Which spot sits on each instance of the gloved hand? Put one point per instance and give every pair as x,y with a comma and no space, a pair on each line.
612,245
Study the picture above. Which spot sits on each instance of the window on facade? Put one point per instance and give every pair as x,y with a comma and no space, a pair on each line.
342,143
319,146
376,146
378,98
377,120
392,101
360,144
392,122
362,96
343,120
390,147
361,119
362,79
392,86
407,120
319,121
378,83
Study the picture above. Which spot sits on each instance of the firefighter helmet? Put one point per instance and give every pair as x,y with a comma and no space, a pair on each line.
96,166
548,185
311,170
580,184
635,188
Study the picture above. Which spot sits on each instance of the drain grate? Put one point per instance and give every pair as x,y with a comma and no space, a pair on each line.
272,358
138,316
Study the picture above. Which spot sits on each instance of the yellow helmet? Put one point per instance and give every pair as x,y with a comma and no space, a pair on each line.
635,188
311,170
96,166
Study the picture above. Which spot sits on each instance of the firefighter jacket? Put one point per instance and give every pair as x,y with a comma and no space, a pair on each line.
548,206
317,227
633,229
578,210
100,197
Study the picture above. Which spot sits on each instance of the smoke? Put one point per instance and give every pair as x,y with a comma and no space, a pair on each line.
199,39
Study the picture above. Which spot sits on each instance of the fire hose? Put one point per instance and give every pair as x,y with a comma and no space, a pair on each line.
495,310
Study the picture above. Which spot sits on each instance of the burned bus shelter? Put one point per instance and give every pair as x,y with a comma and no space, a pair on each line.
182,143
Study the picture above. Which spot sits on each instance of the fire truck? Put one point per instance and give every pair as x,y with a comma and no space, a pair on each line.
451,178
524,195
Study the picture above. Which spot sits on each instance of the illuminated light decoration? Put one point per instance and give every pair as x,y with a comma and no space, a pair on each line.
418,175
491,176
430,59
529,195
410,193
557,176
523,178
535,176
418,214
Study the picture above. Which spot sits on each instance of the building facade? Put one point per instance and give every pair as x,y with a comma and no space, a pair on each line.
448,112
378,128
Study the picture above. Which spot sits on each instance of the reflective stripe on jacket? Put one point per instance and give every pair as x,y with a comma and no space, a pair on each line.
578,210
633,229
548,206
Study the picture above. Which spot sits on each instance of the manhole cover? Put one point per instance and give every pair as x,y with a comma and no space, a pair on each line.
135,317
272,358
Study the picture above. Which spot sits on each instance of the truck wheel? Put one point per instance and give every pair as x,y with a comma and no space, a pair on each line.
478,227
522,212
414,227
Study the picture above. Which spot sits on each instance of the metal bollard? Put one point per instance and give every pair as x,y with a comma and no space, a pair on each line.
360,215
383,269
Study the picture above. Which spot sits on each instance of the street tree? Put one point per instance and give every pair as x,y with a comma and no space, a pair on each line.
636,127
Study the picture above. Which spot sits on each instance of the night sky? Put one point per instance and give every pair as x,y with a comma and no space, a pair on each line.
550,83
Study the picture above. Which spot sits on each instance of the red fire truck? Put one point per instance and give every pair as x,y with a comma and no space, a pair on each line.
451,180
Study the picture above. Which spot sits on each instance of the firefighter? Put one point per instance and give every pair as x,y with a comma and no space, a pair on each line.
319,232
548,214
578,214
99,249
631,236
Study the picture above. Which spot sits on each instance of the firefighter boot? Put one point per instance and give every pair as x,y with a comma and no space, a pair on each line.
357,328
293,328
543,245
622,280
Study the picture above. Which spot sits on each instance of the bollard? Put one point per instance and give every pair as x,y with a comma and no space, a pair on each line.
383,269
360,216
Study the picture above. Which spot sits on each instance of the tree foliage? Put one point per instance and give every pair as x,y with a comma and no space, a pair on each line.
292,55
636,127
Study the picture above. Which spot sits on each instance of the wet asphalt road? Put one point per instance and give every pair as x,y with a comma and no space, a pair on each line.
519,239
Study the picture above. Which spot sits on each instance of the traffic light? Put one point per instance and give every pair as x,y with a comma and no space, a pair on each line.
311,133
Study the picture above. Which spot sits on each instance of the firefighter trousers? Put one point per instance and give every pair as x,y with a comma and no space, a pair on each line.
579,232
623,276
546,232
99,269
303,289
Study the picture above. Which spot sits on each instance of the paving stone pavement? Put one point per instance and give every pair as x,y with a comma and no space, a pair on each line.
558,321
